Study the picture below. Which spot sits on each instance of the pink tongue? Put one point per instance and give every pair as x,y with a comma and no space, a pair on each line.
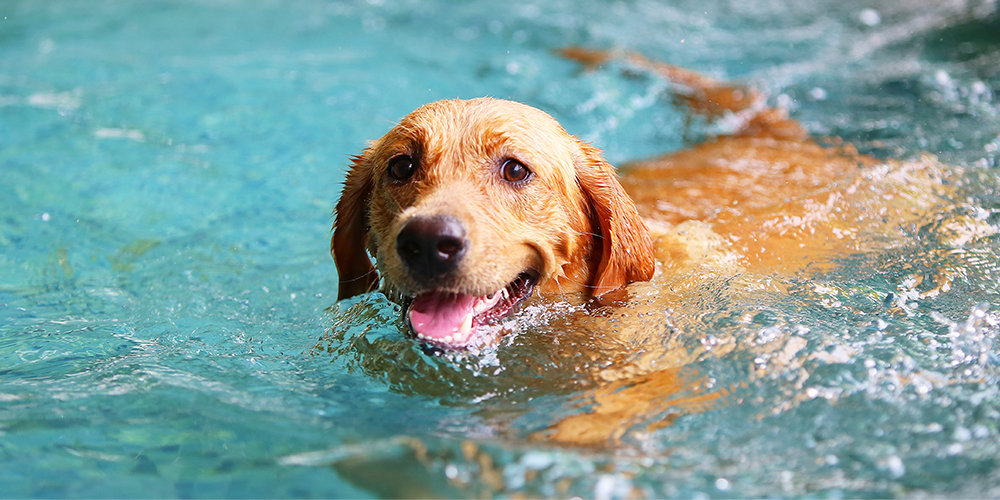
440,314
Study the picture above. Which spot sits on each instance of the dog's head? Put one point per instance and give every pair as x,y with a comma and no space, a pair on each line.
468,206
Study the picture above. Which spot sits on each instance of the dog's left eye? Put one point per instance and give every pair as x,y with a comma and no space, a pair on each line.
515,171
401,167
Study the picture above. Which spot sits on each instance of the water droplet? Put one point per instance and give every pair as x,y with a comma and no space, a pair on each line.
895,466
870,17
962,434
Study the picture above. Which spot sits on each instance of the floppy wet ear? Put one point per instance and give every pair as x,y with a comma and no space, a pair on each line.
350,232
627,249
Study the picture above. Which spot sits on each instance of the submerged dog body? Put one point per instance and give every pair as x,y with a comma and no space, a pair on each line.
469,206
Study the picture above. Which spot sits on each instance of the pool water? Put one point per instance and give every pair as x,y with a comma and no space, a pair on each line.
168,315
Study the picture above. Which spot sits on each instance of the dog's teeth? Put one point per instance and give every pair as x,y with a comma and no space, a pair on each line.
447,339
466,325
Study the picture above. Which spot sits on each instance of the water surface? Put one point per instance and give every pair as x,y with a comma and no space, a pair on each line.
168,325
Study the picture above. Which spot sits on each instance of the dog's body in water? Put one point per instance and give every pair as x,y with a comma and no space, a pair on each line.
470,208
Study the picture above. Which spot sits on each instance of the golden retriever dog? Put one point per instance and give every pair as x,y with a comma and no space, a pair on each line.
470,206
467,208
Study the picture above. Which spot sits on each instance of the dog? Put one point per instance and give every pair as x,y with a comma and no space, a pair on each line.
466,209
470,206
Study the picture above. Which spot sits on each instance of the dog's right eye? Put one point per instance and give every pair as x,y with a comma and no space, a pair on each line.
401,167
514,171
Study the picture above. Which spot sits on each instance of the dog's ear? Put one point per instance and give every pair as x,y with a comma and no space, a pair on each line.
350,232
627,250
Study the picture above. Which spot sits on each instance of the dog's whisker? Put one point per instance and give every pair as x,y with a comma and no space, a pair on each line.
361,277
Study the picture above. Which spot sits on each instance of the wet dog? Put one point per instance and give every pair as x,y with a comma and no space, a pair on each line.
466,209
470,207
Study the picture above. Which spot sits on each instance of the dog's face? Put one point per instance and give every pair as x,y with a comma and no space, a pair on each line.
469,206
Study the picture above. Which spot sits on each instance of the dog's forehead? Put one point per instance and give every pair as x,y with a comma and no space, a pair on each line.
487,127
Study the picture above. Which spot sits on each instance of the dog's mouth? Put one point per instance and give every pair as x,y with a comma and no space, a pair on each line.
450,319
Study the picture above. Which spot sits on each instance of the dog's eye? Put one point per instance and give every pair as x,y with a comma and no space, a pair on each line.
401,167
515,171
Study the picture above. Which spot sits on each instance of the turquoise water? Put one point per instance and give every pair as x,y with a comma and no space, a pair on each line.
168,325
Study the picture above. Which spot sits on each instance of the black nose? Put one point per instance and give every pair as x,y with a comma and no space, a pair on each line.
431,246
